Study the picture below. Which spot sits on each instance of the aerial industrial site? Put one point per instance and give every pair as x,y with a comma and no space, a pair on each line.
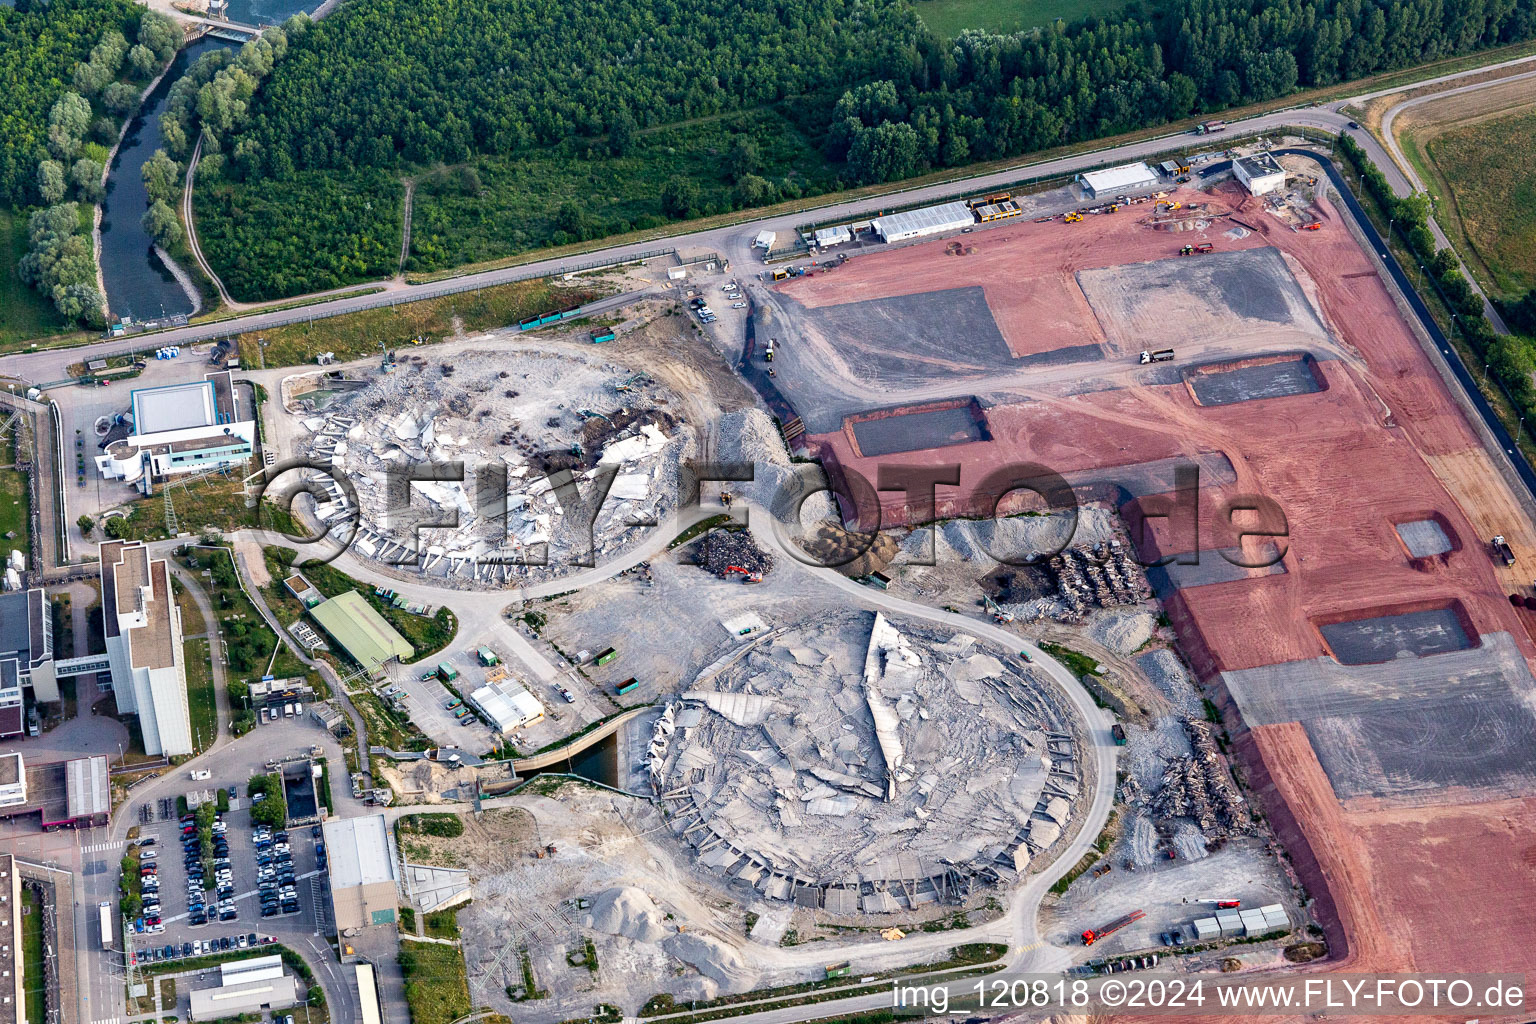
1096,579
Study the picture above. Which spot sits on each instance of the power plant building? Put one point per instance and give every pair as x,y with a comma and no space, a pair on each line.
181,428
143,627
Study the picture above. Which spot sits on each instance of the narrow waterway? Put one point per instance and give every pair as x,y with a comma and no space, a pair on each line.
138,284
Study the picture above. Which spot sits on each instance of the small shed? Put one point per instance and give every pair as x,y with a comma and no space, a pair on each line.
1259,173
1206,928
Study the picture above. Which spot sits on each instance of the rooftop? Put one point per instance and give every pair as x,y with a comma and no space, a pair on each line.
361,630
174,407
1258,165
87,791
15,636
359,851
1124,176
10,769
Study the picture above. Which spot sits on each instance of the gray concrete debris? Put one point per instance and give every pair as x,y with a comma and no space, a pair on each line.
626,911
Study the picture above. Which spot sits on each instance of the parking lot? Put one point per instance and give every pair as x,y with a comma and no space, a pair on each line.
299,906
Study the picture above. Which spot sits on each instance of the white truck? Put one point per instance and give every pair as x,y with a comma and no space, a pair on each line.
199,774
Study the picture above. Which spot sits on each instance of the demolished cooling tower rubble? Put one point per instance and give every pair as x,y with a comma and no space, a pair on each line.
856,765
529,415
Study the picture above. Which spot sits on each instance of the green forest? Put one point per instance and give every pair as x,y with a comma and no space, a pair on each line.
527,124
70,78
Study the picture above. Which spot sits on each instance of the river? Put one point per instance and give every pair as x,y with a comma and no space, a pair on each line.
138,284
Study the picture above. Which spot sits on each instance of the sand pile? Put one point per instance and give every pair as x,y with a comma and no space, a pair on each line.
626,911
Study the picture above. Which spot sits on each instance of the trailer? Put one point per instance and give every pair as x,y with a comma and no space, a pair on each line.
105,910
1162,355
1091,936
1208,127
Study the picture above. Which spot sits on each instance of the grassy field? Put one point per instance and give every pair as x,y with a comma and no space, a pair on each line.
436,986
200,700
32,953
13,509
1482,173
360,334
949,18
24,313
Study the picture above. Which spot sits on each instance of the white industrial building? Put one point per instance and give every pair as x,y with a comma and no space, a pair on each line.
1115,181
143,627
13,780
246,986
1259,173
833,236
506,706
181,428
930,220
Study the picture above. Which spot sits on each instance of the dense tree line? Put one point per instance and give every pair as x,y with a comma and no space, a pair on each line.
76,47
393,85
60,262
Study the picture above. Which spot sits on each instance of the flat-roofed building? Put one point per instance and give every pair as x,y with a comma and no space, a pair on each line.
143,628
13,780
26,656
182,428
1259,173
253,997
364,882
930,220
506,705
12,964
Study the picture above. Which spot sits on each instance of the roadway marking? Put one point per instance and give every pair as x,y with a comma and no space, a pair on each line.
106,1020
238,896
100,848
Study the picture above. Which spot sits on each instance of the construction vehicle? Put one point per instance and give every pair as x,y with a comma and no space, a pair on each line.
1170,207
1316,225
1028,660
769,354
1207,127
747,575
1502,551
1162,355
1091,936
998,615
1194,250
1072,218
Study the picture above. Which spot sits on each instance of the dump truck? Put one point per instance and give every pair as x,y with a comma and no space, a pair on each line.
1091,936
1162,355
1207,127
1502,552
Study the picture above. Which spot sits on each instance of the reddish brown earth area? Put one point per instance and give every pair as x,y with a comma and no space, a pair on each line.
1447,887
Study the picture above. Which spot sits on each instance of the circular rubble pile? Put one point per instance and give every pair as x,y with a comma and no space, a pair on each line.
539,434
857,767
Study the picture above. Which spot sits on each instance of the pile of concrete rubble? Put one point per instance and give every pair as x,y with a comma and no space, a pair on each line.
1199,787
721,551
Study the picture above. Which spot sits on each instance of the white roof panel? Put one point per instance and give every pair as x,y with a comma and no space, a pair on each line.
358,850
173,407
1125,176
928,220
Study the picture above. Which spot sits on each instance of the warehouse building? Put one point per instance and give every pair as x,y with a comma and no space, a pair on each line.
1259,173
506,706
143,627
930,220
361,631
1116,181
364,887
182,428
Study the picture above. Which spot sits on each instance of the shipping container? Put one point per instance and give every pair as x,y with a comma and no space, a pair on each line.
627,685
605,656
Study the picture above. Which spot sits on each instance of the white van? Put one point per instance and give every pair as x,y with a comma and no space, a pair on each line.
288,710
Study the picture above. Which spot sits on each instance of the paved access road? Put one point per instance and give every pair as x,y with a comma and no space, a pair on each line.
734,241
